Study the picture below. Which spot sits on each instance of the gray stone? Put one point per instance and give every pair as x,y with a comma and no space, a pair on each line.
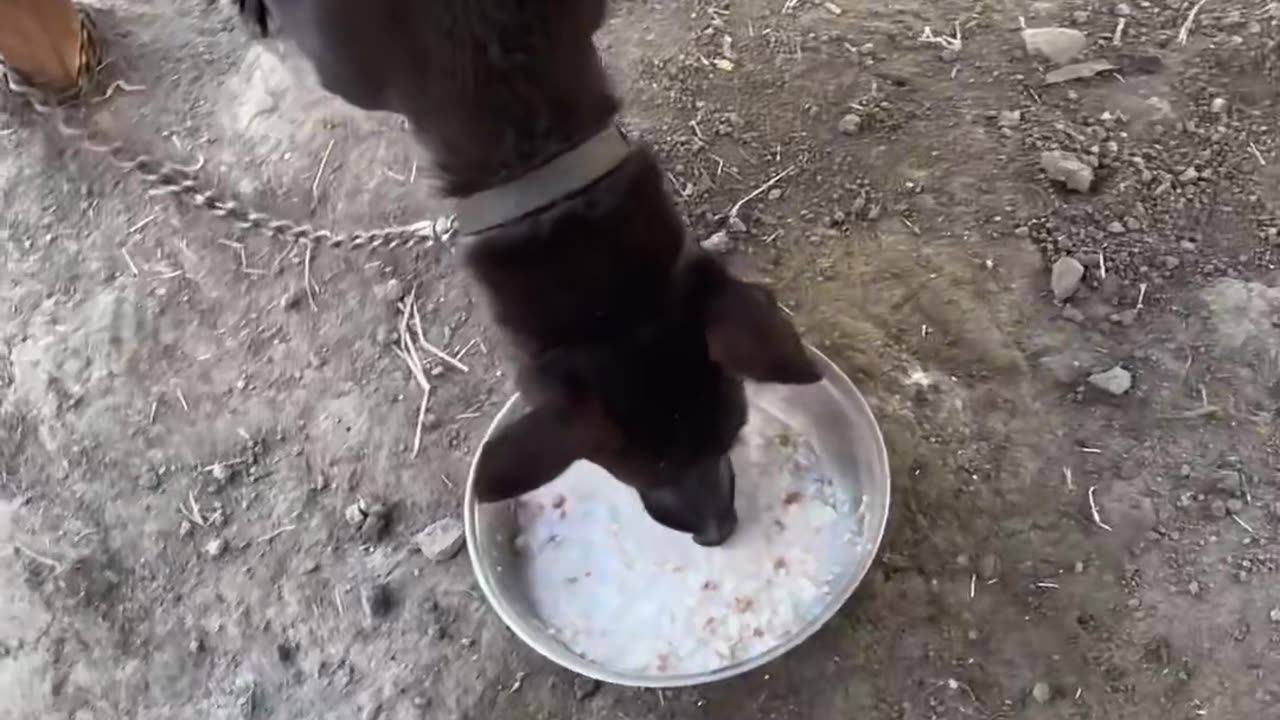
719,243
850,124
441,540
1065,278
1067,169
1055,44
1009,118
1115,381
1042,692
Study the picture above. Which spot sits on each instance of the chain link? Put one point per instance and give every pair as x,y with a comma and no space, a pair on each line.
167,178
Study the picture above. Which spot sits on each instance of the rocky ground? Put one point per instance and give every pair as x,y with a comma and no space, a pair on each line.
1061,298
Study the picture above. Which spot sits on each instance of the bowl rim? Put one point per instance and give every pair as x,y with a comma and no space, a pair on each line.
573,662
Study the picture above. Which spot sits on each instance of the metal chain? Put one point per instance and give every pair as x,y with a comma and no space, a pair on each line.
168,178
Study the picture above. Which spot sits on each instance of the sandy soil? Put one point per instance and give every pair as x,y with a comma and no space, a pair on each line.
184,428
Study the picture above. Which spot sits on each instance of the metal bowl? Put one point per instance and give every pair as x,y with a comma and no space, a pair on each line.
831,416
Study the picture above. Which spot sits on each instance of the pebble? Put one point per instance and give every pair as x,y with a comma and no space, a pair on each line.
1193,587
1185,470
1068,169
585,688
1042,692
737,225
1056,44
1009,118
1275,615
441,540
1123,10
376,522
775,194
1218,509
1235,506
394,291
1115,227
719,243
1116,381
1065,278
1189,175
1170,262
355,514
293,299
215,548
1124,317
1075,315
850,124
1219,105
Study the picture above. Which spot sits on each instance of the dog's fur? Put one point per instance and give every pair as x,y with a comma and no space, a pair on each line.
631,343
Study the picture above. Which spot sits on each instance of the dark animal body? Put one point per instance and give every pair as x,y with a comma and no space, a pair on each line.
631,343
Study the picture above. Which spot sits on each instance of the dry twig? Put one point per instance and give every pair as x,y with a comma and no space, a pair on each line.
1093,507
1185,31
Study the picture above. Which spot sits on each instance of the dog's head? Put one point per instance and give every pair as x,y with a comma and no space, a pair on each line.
660,408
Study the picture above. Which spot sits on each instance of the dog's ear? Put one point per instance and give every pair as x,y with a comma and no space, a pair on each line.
526,454
748,334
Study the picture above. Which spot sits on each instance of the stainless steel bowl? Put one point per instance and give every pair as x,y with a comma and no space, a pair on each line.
832,416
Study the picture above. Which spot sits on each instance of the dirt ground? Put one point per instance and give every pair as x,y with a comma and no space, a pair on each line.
185,427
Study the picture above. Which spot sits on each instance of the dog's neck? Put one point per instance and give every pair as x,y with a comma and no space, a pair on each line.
506,121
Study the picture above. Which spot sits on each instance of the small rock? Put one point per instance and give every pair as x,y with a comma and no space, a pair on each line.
1056,44
988,566
949,55
1065,278
1123,10
1115,227
1067,169
1170,262
377,520
736,225
1115,381
1078,568
293,299
394,291
185,529
1042,692
441,540
1275,615
355,514
1124,317
1189,175
775,194
1185,470
1193,587
377,600
850,124
1073,314
1235,506
719,243
1009,118
585,688
1077,71
215,548
1219,105
1218,509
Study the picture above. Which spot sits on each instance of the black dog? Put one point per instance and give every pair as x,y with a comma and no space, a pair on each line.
631,343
